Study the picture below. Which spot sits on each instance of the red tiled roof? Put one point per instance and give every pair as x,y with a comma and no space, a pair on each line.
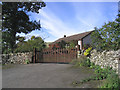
73,37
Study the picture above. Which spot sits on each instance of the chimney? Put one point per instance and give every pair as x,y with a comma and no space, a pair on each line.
64,35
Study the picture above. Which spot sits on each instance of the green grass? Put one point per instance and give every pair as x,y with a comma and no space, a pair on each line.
8,66
88,84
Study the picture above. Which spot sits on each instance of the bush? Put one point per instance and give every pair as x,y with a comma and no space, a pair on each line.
112,82
82,61
27,61
87,51
86,46
103,73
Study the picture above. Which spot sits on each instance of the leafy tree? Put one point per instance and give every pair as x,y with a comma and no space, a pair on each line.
62,44
108,36
6,42
20,39
33,37
29,45
16,19
72,44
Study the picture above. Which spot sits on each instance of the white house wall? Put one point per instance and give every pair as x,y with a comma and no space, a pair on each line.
79,43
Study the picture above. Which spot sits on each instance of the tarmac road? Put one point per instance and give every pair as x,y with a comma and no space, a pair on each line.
42,76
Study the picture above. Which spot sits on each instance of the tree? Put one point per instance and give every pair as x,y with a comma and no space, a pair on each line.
20,39
16,20
62,44
33,37
108,36
29,45
72,44
6,42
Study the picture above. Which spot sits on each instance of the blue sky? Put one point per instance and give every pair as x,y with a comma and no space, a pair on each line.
69,18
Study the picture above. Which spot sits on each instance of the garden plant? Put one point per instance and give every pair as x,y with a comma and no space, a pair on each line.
107,74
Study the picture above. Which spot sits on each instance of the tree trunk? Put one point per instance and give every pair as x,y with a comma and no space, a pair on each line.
13,41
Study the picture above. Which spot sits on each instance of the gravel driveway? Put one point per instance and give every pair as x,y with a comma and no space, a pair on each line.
42,76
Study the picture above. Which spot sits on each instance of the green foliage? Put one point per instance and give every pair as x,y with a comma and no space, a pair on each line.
112,80
68,45
108,36
15,19
20,39
27,61
72,44
87,51
29,45
82,61
33,37
62,44
92,65
86,46
6,42
102,73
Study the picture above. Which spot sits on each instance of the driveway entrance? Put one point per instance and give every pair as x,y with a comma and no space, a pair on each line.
42,76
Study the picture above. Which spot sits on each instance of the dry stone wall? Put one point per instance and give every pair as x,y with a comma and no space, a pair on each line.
17,58
106,58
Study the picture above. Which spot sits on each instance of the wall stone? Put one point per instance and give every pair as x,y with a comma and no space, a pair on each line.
17,58
106,58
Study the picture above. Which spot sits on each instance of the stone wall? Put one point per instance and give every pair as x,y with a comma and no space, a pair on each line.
106,58
17,58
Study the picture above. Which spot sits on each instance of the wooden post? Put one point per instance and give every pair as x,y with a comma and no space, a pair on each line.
34,55
81,44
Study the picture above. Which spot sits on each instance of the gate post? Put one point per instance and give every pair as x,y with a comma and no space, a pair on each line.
34,60
78,51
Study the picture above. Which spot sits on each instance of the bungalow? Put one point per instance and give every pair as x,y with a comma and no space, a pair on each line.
81,39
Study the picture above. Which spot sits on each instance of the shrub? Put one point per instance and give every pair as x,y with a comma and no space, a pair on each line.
103,73
86,46
27,61
92,65
87,51
82,61
112,82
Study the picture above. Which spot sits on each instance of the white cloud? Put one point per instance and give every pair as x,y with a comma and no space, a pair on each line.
81,0
33,33
55,25
95,16
57,28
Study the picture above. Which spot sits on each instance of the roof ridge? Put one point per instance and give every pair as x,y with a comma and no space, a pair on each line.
73,36
76,34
